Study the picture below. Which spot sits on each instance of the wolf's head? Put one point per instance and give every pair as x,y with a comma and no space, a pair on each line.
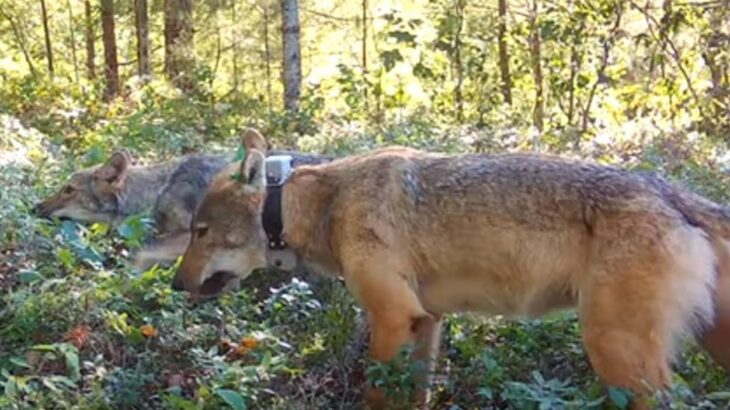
90,195
227,235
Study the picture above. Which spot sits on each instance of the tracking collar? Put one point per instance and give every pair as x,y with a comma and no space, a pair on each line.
278,168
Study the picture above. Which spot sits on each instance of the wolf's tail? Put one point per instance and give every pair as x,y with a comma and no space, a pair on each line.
697,210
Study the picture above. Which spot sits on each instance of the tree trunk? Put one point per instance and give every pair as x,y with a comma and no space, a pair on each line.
72,40
111,68
179,43
535,54
234,41
292,56
47,35
143,39
90,53
267,50
218,39
365,51
458,94
503,53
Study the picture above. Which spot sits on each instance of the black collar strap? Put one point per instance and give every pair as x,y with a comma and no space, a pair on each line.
271,217
278,169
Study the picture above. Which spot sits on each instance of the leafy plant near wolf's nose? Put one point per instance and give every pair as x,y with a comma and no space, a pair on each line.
134,229
397,376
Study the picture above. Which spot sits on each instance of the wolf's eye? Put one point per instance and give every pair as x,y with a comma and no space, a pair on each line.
69,189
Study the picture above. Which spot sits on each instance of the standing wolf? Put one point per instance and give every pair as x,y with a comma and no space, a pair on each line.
117,189
418,235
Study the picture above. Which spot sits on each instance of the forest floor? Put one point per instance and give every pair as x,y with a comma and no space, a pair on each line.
81,328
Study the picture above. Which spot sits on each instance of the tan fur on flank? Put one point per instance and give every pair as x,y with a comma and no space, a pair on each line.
418,235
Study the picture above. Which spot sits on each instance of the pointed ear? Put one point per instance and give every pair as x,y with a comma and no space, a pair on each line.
253,171
115,167
253,140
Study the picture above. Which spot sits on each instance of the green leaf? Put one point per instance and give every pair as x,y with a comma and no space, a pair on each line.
619,397
179,402
232,398
240,153
240,156
67,259
135,336
29,276
403,36
44,348
20,362
720,395
486,392
71,355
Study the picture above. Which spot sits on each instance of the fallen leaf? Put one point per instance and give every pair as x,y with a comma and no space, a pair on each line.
249,342
78,336
148,330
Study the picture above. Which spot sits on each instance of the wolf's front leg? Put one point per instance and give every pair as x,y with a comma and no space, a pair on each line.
396,318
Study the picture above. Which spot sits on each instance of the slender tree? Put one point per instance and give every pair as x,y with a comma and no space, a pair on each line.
267,51
536,57
90,48
458,63
143,39
292,55
72,40
503,53
234,43
111,67
365,50
47,36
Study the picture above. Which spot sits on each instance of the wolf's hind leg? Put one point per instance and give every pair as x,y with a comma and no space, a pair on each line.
637,303
428,339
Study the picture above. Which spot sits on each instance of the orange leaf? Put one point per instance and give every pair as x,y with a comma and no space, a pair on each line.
249,342
78,336
148,330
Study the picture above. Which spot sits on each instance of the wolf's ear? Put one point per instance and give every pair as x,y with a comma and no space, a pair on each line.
253,171
253,140
115,167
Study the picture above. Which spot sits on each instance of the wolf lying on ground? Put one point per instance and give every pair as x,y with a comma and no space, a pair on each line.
112,191
418,235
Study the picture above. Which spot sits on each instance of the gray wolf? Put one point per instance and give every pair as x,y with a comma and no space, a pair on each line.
172,191
419,235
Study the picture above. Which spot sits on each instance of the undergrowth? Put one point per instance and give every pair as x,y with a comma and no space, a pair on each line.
81,328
